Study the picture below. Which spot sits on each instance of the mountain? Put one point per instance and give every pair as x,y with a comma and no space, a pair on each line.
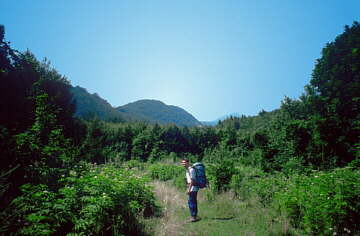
153,111
158,112
92,105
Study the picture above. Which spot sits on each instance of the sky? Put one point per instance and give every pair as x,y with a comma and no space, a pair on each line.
211,58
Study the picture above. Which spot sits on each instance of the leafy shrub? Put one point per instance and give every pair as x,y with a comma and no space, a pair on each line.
104,200
325,202
251,182
219,174
134,164
293,165
253,158
180,181
165,172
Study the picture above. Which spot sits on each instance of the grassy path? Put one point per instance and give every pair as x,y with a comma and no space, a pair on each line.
221,216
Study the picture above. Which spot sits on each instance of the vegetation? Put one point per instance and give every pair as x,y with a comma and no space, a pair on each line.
90,106
95,200
158,112
301,161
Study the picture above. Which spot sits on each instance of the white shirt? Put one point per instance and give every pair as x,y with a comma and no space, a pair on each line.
191,174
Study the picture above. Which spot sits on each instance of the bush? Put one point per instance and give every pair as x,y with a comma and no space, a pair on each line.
219,174
165,172
324,203
104,200
134,164
180,181
251,182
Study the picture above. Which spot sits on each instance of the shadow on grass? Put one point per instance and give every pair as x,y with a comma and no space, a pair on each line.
222,218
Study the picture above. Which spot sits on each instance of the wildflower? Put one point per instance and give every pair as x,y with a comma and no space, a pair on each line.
330,228
334,233
95,176
316,176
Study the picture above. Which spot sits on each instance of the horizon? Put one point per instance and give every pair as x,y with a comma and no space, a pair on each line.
210,58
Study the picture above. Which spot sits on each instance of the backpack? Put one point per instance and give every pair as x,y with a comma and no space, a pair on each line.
200,175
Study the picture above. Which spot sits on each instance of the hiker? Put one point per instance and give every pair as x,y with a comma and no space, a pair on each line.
192,190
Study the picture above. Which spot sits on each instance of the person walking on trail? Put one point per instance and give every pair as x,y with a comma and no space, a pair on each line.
192,190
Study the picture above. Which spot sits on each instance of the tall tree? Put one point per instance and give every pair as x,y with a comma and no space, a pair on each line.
335,94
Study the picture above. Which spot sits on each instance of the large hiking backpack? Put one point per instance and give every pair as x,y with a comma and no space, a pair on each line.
200,175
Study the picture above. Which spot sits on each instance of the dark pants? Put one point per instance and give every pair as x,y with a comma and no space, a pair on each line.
193,203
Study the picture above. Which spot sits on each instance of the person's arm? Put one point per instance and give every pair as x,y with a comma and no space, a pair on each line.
191,184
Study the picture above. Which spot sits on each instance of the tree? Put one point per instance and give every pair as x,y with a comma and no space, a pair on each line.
335,94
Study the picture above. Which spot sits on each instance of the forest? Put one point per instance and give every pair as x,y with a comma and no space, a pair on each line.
62,175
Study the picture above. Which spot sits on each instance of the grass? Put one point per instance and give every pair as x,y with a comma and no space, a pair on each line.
171,201
221,215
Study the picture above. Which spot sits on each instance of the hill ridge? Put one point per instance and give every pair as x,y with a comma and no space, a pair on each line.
157,111
148,110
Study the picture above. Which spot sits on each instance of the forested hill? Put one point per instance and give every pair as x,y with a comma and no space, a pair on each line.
92,105
158,112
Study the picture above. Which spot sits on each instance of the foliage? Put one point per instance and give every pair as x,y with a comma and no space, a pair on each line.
157,112
132,164
100,200
219,174
165,172
91,106
324,202
258,185
334,94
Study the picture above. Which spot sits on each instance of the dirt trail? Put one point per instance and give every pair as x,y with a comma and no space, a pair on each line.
171,201
221,216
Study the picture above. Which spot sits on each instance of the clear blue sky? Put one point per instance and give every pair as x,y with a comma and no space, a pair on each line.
211,58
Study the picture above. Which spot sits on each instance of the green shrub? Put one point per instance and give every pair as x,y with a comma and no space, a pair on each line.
324,203
251,182
180,181
219,174
165,172
134,164
293,165
253,158
104,200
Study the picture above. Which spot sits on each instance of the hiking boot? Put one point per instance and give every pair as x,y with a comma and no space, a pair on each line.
193,219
